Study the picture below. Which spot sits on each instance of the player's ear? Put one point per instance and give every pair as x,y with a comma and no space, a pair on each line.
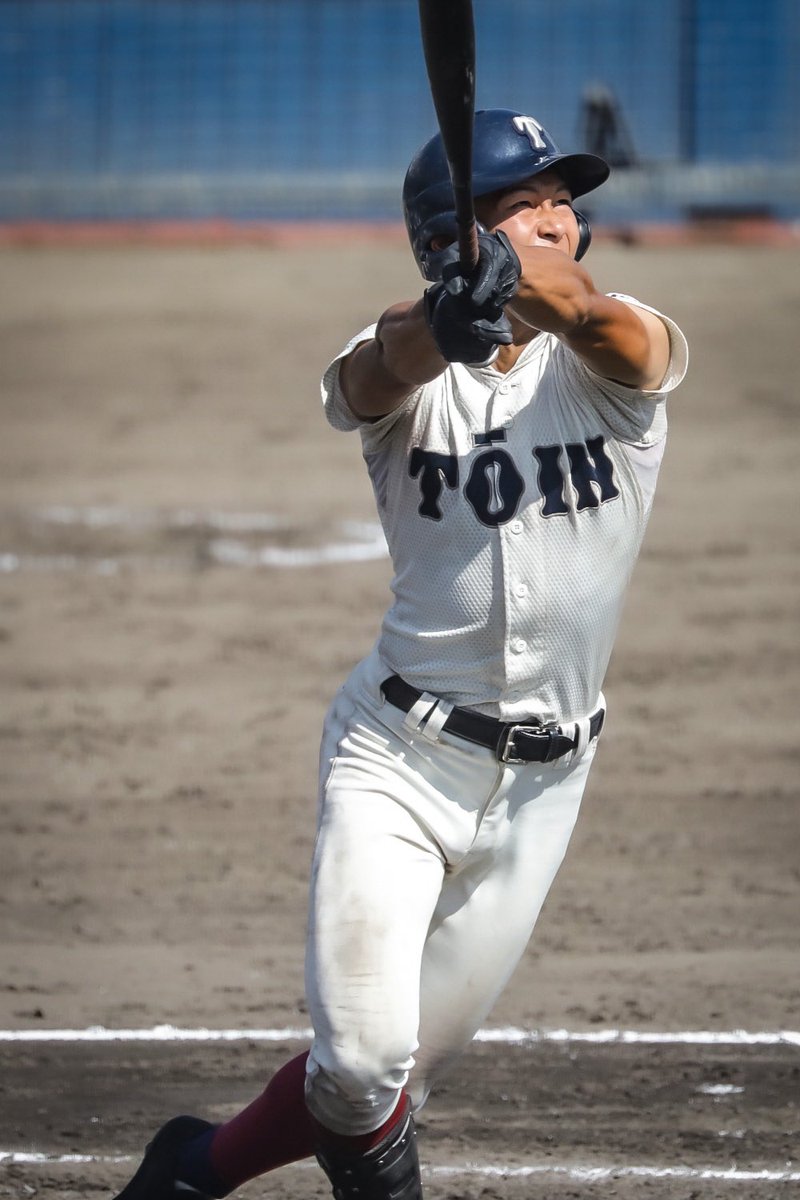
442,240
437,237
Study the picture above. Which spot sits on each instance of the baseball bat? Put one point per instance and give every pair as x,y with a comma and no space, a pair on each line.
448,41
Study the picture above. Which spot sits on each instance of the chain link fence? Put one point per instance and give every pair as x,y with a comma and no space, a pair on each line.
262,109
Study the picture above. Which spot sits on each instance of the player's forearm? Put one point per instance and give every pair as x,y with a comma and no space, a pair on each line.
406,346
557,295
378,376
554,293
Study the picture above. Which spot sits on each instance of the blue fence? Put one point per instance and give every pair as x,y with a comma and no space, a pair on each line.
312,108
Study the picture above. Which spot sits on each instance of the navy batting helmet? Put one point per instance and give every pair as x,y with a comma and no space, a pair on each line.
507,148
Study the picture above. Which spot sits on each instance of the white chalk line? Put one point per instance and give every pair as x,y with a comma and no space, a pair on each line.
15,1158
598,1174
12,563
509,1036
582,1174
115,516
361,541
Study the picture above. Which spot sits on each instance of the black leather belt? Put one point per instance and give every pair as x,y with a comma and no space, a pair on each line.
527,741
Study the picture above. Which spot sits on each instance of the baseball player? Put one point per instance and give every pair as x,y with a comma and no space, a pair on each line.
513,423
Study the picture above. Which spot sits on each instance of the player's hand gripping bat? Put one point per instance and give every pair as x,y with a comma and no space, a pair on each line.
448,40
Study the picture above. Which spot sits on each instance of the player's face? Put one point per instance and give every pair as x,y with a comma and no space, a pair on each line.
537,212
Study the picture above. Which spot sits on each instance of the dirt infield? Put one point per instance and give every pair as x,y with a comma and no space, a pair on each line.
189,565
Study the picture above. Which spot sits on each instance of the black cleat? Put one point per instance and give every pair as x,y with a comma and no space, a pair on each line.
155,1179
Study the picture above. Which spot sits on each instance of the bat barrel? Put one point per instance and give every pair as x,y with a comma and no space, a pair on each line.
448,40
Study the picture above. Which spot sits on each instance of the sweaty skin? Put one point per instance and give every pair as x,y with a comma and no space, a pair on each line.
555,295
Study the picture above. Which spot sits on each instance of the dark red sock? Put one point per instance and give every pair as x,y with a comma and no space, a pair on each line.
274,1130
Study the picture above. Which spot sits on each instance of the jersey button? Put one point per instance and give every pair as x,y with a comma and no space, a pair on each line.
503,389
519,645
521,590
516,527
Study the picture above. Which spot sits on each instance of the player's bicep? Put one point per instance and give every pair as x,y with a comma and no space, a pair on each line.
625,344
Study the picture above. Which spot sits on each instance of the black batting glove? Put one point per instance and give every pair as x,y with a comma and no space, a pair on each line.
459,335
465,312
494,279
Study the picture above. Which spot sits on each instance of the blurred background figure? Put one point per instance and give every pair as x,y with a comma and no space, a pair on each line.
604,130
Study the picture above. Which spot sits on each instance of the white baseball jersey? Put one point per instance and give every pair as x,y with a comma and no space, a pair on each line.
514,508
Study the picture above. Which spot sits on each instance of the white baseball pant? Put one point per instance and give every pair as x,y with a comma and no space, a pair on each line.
431,865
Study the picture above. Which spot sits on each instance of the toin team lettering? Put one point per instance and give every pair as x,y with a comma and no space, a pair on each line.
495,486
588,464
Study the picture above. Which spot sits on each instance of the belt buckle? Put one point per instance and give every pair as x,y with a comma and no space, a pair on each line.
506,747
551,732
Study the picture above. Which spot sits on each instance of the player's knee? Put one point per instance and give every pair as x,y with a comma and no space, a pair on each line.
361,1072
352,1090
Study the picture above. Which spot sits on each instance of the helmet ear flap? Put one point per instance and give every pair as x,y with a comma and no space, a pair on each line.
431,262
584,235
